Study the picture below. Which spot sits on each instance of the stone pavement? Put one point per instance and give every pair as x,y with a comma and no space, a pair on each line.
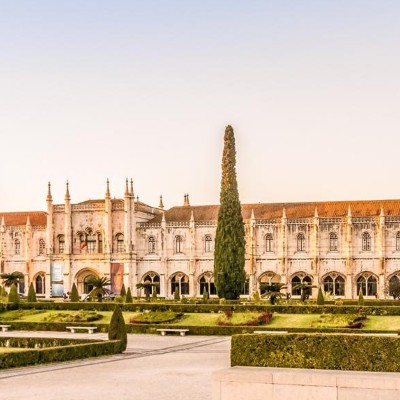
152,368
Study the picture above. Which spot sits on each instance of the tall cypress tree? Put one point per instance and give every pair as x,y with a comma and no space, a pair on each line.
229,254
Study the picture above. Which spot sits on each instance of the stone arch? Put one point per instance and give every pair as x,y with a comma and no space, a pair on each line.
81,278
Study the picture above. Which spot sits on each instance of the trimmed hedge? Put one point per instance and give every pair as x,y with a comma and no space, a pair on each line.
207,308
42,350
317,351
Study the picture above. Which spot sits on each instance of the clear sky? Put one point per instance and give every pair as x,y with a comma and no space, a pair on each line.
96,89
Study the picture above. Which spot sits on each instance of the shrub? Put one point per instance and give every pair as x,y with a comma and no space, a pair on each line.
31,294
320,298
155,317
3,291
184,300
256,296
123,291
117,328
222,301
205,295
177,297
154,294
74,295
128,298
261,319
13,297
317,351
360,298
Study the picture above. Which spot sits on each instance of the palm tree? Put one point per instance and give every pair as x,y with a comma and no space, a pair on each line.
272,291
12,278
99,287
305,290
147,286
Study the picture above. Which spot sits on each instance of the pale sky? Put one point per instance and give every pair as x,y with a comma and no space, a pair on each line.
97,89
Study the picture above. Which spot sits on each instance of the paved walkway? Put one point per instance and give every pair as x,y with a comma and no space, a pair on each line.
152,368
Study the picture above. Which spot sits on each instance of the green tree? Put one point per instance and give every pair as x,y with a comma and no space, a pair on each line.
3,292
100,288
272,291
229,254
31,294
74,295
148,286
205,295
177,297
320,298
14,278
128,297
305,290
360,298
117,328
123,291
393,288
13,295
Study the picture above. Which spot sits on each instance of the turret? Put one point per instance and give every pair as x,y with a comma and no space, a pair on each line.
67,221
107,220
186,200
49,224
161,204
128,200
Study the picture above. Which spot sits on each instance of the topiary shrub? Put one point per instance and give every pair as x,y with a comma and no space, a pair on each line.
31,294
320,298
123,291
177,297
117,328
360,298
74,295
205,295
128,297
13,295
154,294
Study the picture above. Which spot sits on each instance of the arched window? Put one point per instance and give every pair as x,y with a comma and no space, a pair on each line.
207,244
207,283
367,284
151,244
91,242
333,242
269,241
99,243
153,278
120,243
398,241
42,247
300,242
298,280
17,247
61,244
366,241
40,284
334,284
178,244
268,279
180,281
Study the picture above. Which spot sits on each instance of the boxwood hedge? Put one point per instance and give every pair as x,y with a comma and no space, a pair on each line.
317,351
42,350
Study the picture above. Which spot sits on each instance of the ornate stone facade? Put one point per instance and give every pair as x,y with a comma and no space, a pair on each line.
341,246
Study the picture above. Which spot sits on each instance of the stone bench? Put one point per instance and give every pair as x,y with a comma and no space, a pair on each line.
182,332
90,329
303,384
4,328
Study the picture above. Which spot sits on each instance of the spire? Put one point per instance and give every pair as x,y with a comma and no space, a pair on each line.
49,197
252,214
161,205
316,213
284,213
28,222
382,212
163,220
3,223
126,188
186,200
67,196
132,194
108,195
192,217
349,212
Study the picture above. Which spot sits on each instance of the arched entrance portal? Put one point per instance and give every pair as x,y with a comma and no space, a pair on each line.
82,278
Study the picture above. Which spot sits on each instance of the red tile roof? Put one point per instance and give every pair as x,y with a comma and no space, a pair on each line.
20,218
326,209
